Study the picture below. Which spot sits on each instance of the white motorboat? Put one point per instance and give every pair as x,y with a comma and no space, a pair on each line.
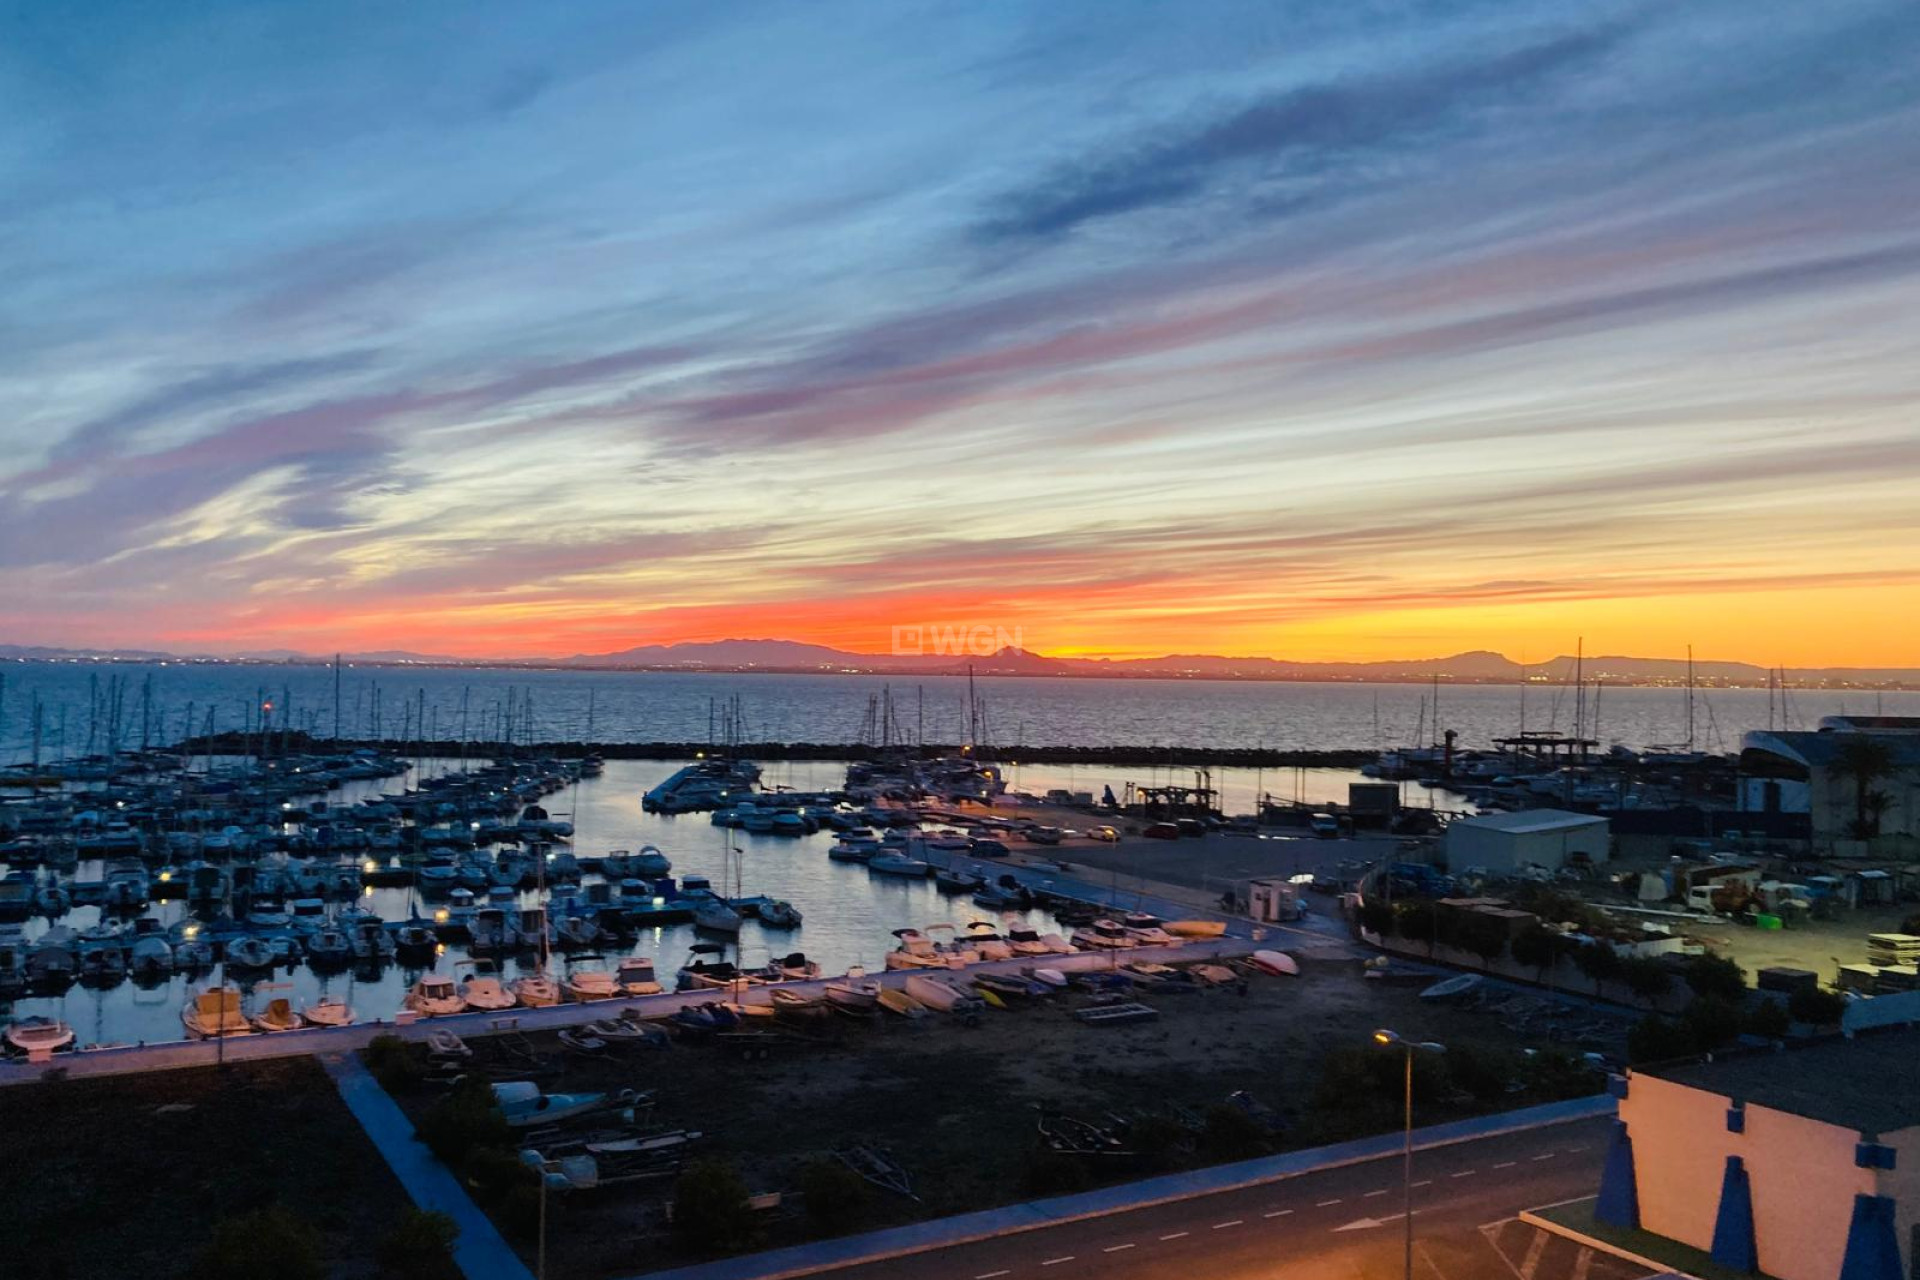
779,915
716,916
1447,988
38,1035
435,996
1027,941
215,1014
1103,935
1147,931
487,994
522,1103
898,864
983,939
328,1011
588,981
279,1015
917,951
535,990
635,977
856,992
251,954
793,968
937,993
151,958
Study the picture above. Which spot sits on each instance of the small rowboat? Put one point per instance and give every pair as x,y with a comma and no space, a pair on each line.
1195,928
1277,963
1451,987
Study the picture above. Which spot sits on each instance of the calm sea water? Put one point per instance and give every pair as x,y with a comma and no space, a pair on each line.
681,707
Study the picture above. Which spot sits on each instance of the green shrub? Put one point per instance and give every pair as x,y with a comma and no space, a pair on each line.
1484,1073
420,1247
1599,961
1558,1076
394,1063
1821,1008
1646,976
835,1196
1768,1018
1160,1140
268,1242
1711,975
464,1121
710,1209
1654,1039
1710,1022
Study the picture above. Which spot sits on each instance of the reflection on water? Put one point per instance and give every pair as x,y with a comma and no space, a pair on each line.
849,912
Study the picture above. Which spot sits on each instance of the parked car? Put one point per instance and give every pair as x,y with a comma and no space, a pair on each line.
1043,835
988,849
1162,831
1324,825
1190,827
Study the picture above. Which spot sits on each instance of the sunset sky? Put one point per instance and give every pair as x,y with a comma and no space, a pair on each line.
1314,330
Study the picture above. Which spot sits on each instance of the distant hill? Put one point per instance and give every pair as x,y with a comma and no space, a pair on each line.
1476,667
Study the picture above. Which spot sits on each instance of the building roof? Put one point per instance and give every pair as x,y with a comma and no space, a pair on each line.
1530,821
1819,748
1870,1084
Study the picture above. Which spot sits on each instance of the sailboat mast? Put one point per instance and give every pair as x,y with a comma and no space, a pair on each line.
1689,699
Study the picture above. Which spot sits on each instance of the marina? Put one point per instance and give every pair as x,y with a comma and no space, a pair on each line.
304,897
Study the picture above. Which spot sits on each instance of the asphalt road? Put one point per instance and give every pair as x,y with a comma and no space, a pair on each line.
1338,1224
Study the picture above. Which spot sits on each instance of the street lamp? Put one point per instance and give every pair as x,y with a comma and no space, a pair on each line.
1394,1040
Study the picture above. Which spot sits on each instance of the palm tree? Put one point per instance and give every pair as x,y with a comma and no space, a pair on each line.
1866,760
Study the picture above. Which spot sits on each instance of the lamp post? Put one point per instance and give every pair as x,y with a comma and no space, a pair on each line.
1394,1040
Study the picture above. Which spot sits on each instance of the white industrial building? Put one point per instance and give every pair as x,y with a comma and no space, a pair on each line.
1798,1164
1505,843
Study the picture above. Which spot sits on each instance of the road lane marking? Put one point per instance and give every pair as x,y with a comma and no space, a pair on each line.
1277,1213
1176,1235
1506,1164
1582,1263
1531,1263
1424,1182
1231,1222
1115,1248
1371,1194
1054,1262
989,1275
1547,1156
1464,1173
1324,1203
1574,1151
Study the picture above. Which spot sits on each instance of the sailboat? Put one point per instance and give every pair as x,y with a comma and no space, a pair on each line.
537,990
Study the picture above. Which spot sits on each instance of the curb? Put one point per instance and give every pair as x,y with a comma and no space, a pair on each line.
900,1242
1533,1219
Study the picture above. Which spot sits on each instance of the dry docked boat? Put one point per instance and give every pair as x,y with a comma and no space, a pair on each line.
938,993
1103,935
1027,941
855,993
917,951
901,1003
1195,928
1277,963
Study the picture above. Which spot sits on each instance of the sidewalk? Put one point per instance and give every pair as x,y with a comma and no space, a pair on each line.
480,1251
875,1246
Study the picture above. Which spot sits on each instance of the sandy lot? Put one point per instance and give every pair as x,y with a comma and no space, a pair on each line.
958,1106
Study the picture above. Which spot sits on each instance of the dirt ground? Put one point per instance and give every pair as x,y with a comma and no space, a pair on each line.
958,1106
126,1176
